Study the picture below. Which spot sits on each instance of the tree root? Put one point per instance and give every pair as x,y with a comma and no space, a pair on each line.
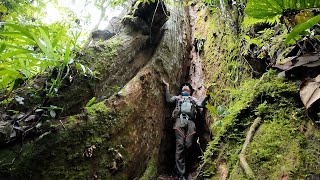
243,162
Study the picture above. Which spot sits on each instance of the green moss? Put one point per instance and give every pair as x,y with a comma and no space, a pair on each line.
48,157
224,66
278,147
245,96
70,122
275,149
151,171
97,109
99,57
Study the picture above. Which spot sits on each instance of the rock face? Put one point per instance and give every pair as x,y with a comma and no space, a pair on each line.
116,137
284,144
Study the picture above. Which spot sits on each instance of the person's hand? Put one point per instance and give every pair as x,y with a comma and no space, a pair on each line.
165,82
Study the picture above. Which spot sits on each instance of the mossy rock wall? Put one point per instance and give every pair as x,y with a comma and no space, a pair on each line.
285,144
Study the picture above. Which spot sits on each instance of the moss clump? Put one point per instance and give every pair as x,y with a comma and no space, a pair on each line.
151,170
65,154
97,110
245,96
71,121
275,149
241,112
279,148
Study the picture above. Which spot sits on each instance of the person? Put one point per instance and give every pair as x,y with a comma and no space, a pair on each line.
184,127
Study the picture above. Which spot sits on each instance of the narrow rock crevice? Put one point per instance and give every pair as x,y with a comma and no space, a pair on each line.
195,75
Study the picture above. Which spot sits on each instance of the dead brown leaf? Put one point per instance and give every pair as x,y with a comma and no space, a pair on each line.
310,91
308,60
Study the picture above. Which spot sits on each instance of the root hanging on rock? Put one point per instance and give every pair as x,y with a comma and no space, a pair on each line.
243,162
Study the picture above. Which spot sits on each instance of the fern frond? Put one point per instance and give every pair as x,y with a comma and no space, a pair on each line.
250,21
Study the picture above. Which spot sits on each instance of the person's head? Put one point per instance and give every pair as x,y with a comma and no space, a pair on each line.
186,89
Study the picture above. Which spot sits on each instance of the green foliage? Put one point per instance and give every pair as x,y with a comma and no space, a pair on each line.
68,148
91,102
262,9
27,50
250,21
266,9
242,99
278,147
21,10
280,144
151,170
300,28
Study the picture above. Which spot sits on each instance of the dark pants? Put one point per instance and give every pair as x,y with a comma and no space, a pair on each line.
184,138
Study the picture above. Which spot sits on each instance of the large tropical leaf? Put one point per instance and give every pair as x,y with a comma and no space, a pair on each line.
297,30
262,9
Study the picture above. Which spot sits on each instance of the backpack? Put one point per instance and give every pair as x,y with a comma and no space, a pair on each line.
185,105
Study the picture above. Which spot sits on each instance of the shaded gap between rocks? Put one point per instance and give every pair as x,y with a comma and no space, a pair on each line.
194,66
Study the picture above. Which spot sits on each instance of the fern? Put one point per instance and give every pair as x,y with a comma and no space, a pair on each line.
266,9
262,9
250,21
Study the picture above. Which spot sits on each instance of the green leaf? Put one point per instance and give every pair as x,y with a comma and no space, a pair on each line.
91,102
24,30
67,54
58,37
296,31
3,8
2,47
263,9
14,53
18,36
48,44
14,47
52,113
40,44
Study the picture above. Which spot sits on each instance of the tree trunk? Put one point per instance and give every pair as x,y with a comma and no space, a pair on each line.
114,138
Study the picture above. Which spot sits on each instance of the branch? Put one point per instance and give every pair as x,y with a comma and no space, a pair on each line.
243,162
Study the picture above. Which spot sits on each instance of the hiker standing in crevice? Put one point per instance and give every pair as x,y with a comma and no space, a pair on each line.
185,129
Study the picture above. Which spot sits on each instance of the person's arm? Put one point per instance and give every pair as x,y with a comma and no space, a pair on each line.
169,98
